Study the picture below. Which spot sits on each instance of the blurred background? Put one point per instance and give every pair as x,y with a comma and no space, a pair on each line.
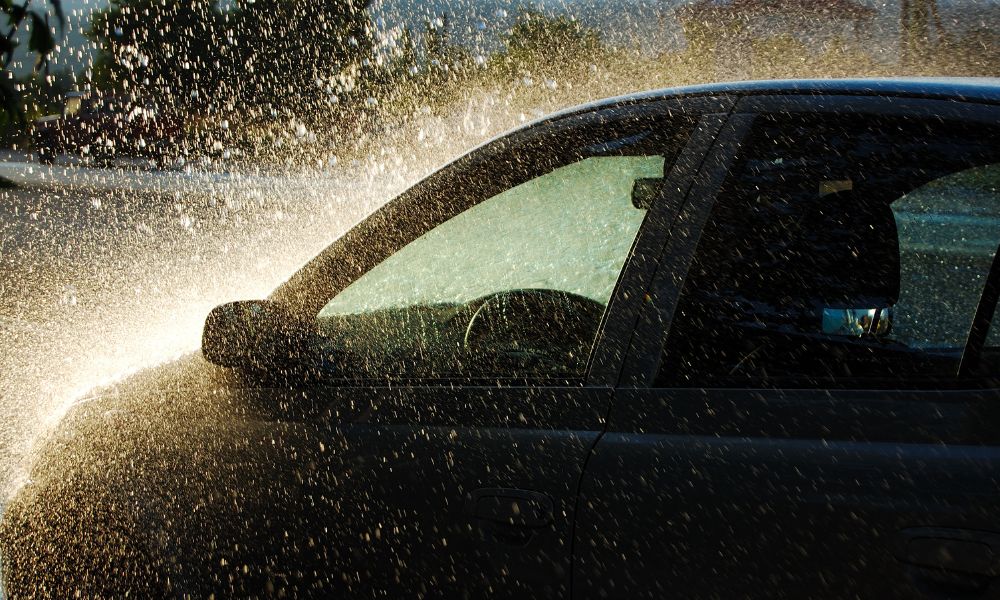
240,71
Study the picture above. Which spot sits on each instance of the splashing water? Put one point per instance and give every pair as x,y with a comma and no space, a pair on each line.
121,280
111,271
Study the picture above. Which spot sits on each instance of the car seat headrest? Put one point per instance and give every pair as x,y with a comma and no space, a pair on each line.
855,251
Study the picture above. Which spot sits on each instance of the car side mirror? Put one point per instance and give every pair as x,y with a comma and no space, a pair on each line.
645,191
256,334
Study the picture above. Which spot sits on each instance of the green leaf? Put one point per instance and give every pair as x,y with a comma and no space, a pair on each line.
7,45
17,14
10,101
58,8
41,40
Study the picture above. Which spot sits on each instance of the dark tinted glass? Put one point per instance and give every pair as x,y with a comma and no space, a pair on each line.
840,248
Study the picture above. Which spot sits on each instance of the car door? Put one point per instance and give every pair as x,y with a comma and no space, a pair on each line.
458,397
821,419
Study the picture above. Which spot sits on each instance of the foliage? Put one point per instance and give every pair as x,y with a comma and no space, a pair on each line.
546,45
21,16
261,57
311,74
559,39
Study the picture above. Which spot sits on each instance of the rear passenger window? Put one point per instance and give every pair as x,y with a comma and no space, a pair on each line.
949,230
847,249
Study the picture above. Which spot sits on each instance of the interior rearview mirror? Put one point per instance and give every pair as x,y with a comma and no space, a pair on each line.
857,322
256,334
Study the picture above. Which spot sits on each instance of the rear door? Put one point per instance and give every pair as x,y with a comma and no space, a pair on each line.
822,418
478,344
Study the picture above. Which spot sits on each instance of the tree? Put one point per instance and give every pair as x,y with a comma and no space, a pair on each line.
41,42
298,54
445,59
916,17
557,40
164,49
256,57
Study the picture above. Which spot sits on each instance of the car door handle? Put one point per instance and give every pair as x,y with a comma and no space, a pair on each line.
951,558
511,507
976,552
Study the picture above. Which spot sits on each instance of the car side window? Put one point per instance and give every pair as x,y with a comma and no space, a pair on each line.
840,250
517,284
949,230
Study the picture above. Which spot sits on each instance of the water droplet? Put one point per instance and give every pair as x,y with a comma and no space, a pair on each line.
68,296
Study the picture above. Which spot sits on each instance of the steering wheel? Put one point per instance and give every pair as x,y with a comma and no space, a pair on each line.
531,326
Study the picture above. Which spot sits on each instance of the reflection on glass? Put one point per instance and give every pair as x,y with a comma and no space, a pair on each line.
73,106
857,322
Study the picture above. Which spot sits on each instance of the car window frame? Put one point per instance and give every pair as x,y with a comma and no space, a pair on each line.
644,356
310,289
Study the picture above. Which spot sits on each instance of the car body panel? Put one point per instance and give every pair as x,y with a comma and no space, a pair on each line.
788,492
195,479
359,488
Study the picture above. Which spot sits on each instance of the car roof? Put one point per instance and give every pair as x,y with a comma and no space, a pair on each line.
975,89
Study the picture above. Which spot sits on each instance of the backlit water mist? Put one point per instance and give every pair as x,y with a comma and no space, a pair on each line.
100,283
100,279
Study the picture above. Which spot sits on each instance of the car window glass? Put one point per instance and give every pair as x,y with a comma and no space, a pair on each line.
845,249
949,230
515,285
568,230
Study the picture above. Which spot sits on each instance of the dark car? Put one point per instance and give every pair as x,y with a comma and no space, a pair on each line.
725,341
105,127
